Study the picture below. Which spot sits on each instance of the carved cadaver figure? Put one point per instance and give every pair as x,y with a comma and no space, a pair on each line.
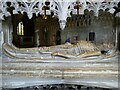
82,49
67,50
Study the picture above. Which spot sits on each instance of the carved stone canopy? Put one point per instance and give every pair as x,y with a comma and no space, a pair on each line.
61,8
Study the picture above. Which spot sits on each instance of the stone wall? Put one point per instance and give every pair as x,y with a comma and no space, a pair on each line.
101,25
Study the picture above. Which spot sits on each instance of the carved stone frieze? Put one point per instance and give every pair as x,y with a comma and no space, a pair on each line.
60,8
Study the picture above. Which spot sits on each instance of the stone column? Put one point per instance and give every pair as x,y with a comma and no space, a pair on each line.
1,33
1,37
37,38
1,42
116,38
116,32
7,30
10,30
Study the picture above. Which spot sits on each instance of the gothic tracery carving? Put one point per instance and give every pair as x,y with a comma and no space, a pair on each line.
60,8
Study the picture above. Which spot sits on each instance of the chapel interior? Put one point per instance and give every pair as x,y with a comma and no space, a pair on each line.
59,45
40,31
